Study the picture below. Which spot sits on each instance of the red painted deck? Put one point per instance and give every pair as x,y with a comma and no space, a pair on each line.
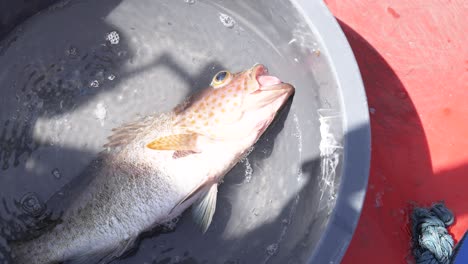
413,57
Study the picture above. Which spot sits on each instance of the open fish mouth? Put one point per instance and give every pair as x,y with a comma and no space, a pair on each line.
271,90
268,82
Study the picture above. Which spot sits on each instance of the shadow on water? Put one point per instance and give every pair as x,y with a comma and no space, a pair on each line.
46,88
38,88
43,96
13,13
49,87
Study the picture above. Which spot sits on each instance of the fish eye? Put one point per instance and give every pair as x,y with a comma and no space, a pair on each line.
220,79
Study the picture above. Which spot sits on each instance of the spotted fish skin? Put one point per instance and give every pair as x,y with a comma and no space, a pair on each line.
157,167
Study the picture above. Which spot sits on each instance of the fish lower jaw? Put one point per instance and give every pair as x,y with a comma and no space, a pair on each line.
262,126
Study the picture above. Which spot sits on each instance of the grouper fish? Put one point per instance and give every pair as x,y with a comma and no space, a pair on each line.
155,168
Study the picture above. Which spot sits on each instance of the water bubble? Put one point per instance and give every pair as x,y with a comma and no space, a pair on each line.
72,51
100,112
31,204
94,84
272,249
111,77
170,226
246,154
248,171
227,21
37,207
113,37
190,2
56,173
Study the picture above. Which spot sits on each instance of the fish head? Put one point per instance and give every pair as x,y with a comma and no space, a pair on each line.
235,105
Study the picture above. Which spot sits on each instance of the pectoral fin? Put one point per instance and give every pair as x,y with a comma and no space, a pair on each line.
203,210
186,142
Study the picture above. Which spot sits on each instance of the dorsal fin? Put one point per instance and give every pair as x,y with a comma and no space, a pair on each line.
128,131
